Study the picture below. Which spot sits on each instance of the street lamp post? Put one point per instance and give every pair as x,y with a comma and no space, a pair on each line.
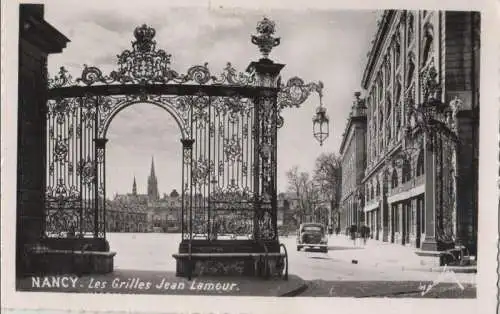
321,120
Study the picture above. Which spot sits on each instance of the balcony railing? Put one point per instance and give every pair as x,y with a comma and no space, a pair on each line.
411,184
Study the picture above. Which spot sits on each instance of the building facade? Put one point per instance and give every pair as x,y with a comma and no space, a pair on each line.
353,164
422,119
133,212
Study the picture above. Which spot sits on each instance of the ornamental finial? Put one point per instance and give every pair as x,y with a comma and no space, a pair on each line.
265,40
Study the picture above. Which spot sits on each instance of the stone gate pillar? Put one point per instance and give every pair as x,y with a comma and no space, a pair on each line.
37,39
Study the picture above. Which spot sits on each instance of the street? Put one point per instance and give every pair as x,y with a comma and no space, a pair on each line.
381,270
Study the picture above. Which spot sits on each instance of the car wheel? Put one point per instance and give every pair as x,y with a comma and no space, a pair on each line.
325,250
299,247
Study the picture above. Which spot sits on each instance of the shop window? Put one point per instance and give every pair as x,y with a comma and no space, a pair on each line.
396,217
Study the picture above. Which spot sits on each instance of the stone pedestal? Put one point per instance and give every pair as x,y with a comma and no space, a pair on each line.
229,258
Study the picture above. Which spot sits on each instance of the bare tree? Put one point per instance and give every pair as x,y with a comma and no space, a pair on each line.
305,192
328,176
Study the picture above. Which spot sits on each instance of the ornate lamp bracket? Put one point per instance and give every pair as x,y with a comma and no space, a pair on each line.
295,92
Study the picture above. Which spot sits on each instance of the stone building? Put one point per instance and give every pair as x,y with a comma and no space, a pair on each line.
126,215
353,163
133,212
422,97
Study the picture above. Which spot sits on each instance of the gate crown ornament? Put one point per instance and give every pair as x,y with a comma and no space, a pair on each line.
144,38
146,65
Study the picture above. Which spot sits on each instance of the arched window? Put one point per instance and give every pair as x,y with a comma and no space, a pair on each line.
388,106
406,171
411,27
380,90
387,71
384,184
397,108
420,164
394,179
381,119
427,43
397,51
398,91
411,69
371,192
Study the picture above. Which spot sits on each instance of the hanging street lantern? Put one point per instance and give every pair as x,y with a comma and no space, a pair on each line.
321,121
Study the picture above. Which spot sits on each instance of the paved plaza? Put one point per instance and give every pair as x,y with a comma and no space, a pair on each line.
144,265
381,268
376,261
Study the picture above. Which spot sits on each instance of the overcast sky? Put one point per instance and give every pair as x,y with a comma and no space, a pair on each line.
330,46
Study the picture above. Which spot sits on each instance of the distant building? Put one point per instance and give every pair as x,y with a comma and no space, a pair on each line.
353,164
133,212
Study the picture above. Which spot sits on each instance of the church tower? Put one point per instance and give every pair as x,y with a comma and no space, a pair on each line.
134,188
153,194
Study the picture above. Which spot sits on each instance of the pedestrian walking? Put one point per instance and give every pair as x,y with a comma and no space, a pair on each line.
353,231
365,232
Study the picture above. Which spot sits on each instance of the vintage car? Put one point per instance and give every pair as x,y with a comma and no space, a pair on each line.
312,235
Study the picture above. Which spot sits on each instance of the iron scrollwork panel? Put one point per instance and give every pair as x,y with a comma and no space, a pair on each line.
219,185
71,167
231,185
265,169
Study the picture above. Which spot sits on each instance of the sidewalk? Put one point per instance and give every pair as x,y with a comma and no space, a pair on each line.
156,282
377,253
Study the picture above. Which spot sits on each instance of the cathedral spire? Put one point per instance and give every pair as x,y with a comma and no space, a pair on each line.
134,187
152,173
153,193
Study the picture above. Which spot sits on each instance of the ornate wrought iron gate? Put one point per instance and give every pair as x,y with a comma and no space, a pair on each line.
229,129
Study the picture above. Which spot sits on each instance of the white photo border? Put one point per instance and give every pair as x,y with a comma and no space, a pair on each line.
487,293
